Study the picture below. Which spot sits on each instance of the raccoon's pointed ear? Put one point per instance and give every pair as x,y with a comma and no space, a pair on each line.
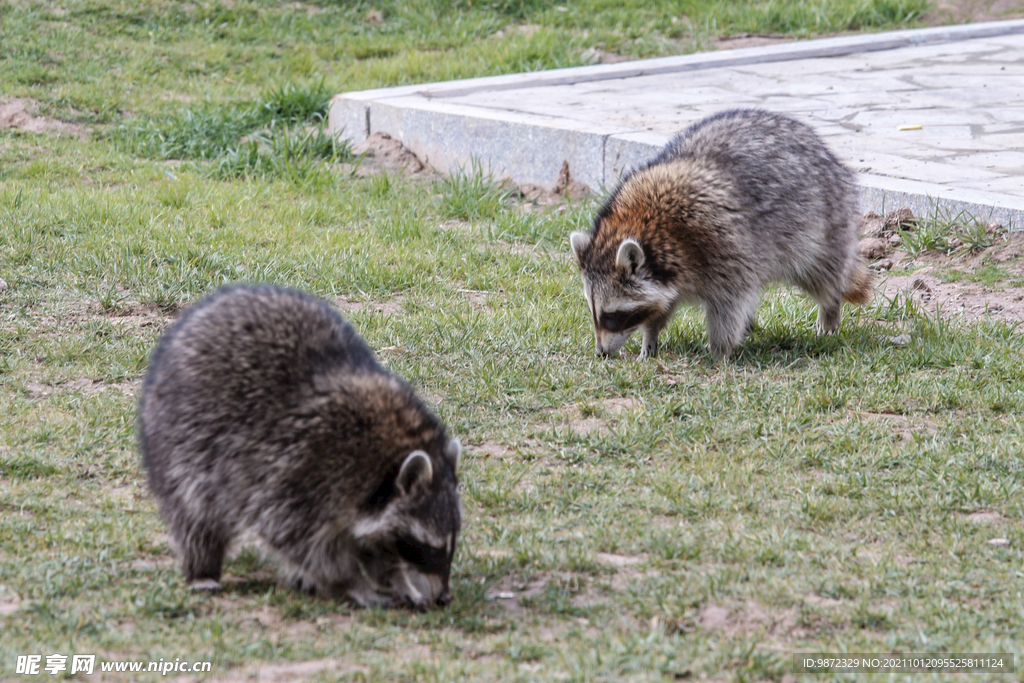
630,256
579,241
416,471
453,451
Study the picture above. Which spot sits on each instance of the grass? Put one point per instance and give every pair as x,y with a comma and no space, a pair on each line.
668,520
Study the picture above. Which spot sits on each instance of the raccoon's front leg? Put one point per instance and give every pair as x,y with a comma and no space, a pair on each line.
651,330
353,589
364,596
729,321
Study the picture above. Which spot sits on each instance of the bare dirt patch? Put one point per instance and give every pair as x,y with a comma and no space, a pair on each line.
565,187
20,113
750,617
477,298
135,314
384,152
291,671
619,561
86,385
970,302
490,449
941,281
629,570
815,599
587,419
902,427
511,590
876,554
153,563
984,517
616,406
749,40
390,307
9,602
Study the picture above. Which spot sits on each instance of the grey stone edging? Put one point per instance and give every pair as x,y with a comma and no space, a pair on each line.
530,148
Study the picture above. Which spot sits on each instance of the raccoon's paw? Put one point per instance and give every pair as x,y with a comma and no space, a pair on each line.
829,316
720,351
649,344
369,598
204,586
825,328
296,580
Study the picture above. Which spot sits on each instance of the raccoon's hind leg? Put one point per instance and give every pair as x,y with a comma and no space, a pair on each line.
830,306
729,321
829,316
202,545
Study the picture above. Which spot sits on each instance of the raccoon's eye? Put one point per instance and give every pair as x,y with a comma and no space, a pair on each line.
618,321
427,558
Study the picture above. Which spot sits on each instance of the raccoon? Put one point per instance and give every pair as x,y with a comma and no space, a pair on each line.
264,414
738,200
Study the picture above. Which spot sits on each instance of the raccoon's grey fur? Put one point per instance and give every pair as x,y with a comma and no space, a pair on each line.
740,199
263,412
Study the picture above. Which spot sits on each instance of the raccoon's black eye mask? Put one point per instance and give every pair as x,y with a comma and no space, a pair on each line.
427,558
619,321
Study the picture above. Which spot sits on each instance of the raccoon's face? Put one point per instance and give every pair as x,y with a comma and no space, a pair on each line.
406,551
621,294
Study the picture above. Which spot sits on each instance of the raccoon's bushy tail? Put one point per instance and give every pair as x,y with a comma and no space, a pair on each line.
859,291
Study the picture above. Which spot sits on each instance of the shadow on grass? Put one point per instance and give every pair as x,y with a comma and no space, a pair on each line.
245,587
778,347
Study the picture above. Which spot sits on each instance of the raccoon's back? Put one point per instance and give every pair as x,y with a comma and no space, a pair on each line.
779,167
235,361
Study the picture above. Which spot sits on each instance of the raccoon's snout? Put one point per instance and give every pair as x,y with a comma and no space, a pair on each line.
608,344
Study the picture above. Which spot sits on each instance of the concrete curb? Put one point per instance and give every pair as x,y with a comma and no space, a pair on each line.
881,194
530,148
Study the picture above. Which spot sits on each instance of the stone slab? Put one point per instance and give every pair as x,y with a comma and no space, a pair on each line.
964,85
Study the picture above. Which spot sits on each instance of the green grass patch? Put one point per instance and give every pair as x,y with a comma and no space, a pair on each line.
670,520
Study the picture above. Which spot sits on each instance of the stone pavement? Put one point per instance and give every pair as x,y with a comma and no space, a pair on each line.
929,118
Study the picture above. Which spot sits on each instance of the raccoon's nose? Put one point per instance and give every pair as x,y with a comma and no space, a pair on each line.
598,349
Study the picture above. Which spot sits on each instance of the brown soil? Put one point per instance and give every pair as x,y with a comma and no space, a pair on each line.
750,617
510,590
316,669
927,278
748,40
585,420
985,517
490,449
619,561
384,152
9,603
564,188
87,386
392,307
20,113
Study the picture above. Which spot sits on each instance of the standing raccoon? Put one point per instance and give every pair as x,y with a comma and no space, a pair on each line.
264,412
738,200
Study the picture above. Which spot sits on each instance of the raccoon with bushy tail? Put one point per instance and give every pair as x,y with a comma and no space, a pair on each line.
264,413
738,200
